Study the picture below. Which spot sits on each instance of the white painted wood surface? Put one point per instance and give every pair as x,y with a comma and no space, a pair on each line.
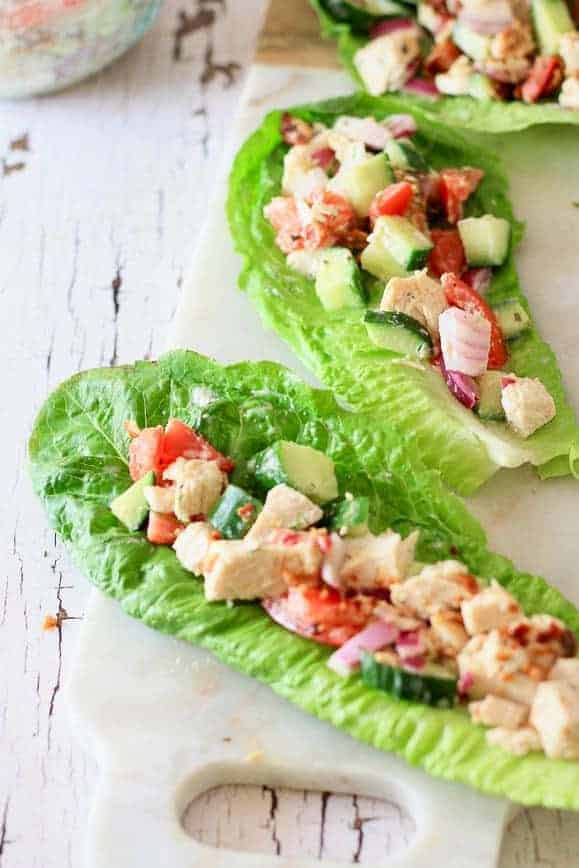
103,190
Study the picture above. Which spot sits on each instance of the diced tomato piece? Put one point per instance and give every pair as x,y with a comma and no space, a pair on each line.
544,77
456,185
321,613
441,57
460,294
447,253
295,131
163,528
145,452
333,212
181,441
394,201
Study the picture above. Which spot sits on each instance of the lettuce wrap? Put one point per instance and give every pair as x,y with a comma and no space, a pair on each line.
78,460
334,344
485,116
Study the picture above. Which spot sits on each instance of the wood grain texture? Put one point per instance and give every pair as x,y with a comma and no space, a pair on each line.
103,190
291,36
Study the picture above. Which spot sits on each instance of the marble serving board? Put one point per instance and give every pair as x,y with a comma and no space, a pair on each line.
168,722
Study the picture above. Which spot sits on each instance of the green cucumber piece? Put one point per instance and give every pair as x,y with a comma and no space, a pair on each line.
485,239
300,467
474,45
434,685
359,182
551,19
403,241
235,512
362,18
349,516
403,154
399,333
339,280
481,87
513,318
377,259
489,407
131,507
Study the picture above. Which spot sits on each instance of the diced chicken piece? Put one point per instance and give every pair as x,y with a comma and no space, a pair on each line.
555,715
566,669
418,296
284,508
397,616
519,742
495,711
386,63
306,261
438,586
348,151
527,405
198,486
301,177
492,608
512,42
449,632
498,665
432,20
511,70
234,571
366,130
160,499
192,546
299,552
569,95
377,561
456,82
569,51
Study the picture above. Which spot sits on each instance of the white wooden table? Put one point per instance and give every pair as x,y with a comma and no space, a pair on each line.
103,190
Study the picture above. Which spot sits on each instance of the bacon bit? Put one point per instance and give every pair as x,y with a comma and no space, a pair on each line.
215,535
469,583
553,632
520,632
325,543
441,57
569,643
50,622
288,538
131,428
295,131
544,78
355,240
536,673
246,511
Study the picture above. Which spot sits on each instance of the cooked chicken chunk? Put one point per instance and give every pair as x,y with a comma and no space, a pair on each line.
301,177
160,499
192,545
519,742
366,130
566,669
385,63
527,405
497,665
286,508
418,296
198,486
439,586
512,42
555,715
569,51
495,711
492,608
299,552
448,630
569,95
457,81
377,561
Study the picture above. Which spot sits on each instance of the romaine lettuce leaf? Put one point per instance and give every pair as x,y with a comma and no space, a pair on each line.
335,345
78,460
485,116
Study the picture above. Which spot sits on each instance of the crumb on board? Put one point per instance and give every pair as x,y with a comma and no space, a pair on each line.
255,756
50,622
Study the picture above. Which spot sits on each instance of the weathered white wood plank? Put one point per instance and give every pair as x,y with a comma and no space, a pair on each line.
103,190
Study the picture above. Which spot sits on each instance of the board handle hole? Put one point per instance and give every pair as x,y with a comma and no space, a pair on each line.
310,824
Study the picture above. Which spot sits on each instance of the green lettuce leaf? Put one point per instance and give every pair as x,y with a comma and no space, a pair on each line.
78,460
335,344
485,116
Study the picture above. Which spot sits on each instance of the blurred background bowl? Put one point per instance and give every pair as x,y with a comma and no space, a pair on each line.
46,45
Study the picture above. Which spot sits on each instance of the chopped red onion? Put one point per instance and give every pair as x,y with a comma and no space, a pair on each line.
465,683
422,87
487,19
479,279
508,381
374,637
418,662
465,340
401,125
462,387
390,25
323,157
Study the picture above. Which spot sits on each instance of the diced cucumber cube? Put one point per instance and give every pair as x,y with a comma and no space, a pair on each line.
301,467
399,333
235,512
339,280
551,19
406,244
131,507
476,46
349,516
359,183
485,239
403,154
489,407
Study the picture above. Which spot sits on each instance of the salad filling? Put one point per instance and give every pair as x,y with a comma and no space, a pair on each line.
377,229
428,633
492,50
